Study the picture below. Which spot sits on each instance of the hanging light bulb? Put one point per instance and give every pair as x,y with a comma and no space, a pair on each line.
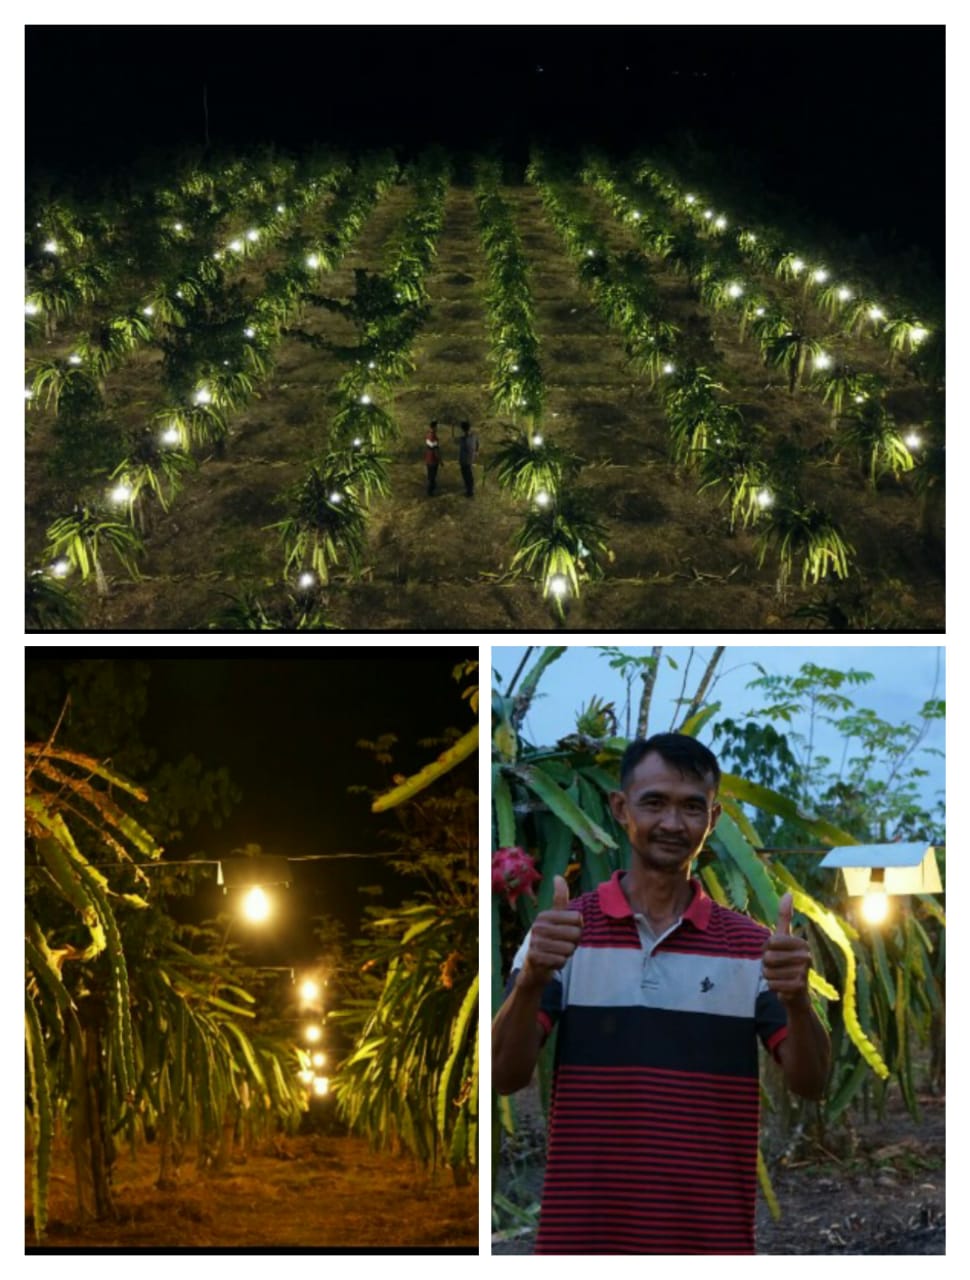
321,1086
252,236
542,498
765,498
912,440
735,290
236,245
823,360
636,215
31,308
148,311
875,900
876,313
536,440
203,396
306,580
74,358
170,435
249,332
720,222
51,246
336,498
319,1059
256,905
120,494
708,214
917,333
312,1033
310,991
690,199
365,398
844,294
281,208
178,226
60,568
759,311
558,586
668,368
820,275
313,261
797,265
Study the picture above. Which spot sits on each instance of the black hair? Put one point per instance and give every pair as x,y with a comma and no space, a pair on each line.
465,426
683,752
434,422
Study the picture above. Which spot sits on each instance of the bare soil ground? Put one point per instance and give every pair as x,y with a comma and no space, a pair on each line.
304,1192
884,1194
442,564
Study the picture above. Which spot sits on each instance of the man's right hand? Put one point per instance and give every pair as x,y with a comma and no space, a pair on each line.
555,936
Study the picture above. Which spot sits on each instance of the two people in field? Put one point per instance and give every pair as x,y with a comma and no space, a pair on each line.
467,456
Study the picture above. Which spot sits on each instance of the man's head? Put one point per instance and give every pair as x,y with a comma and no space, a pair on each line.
434,424
667,802
466,427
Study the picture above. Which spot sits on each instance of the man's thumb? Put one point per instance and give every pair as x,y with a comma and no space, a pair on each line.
783,927
560,894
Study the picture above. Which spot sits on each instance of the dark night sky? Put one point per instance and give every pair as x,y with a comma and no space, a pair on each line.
844,124
286,728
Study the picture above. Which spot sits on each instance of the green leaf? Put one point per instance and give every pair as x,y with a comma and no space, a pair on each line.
565,809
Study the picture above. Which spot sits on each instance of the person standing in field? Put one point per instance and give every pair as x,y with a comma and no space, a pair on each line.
467,456
660,996
432,457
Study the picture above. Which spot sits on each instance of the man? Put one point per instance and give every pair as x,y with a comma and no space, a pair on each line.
660,996
467,457
432,457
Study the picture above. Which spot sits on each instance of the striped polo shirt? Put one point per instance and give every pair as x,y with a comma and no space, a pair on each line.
653,1129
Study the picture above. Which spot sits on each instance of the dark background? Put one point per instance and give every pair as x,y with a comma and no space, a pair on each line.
839,127
286,727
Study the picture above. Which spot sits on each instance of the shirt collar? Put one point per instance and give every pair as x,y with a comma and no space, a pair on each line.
613,901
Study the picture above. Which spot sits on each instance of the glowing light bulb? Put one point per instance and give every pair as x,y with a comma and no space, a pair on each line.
203,396
765,498
917,333
60,568
720,223
120,494
536,440
249,333
306,580
218,255
844,294
252,236
735,290
321,1086
179,293
912,440
31,308
170,435
558,585
336,498
312,1033
236,246
708,214
875,904
590,253
305,1076
668,368
179,227
28,394
759,311
357,442
281,208
515,368
371,364
876,313
690,199
50,246
820,275
318,1059
542,498
365,399
74,358
309,989
255,905
148,311
859,399
313,261
636,215
797,265
823,360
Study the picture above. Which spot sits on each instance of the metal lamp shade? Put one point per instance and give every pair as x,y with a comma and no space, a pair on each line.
907,868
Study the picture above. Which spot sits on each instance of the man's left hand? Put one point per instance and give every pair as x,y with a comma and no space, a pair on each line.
787,959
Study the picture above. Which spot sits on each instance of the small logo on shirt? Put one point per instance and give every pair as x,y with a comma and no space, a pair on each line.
707,985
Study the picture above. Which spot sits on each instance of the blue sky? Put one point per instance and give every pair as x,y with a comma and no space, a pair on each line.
905,678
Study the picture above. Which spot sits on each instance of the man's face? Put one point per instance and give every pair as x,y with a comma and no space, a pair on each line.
666,815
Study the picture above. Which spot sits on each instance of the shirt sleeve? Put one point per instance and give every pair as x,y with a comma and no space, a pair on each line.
771,1020
551,1002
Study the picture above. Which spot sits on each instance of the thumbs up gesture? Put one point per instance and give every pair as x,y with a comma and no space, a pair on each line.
787,958
555,936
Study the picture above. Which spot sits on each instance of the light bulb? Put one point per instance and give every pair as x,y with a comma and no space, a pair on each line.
31,308
148,311
255,905
312,1033
721,222
50,246
321,1086
797,265
60,568
536,441
372,364
844,294
178,226
765,498
252,236
689,199
249,333
365,399
876,313
203,396
636,215
120,494
912,440
820,275
735,290
515,368
668,368
318,1059
236,246
170,435
28,393
74,358
542,498
917,334
558,585
306,580
357,442
590,253
336,498
281,208
306,1076
875,904
313,262
708,214
859,399
759,311
309,989
823,360
218,255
